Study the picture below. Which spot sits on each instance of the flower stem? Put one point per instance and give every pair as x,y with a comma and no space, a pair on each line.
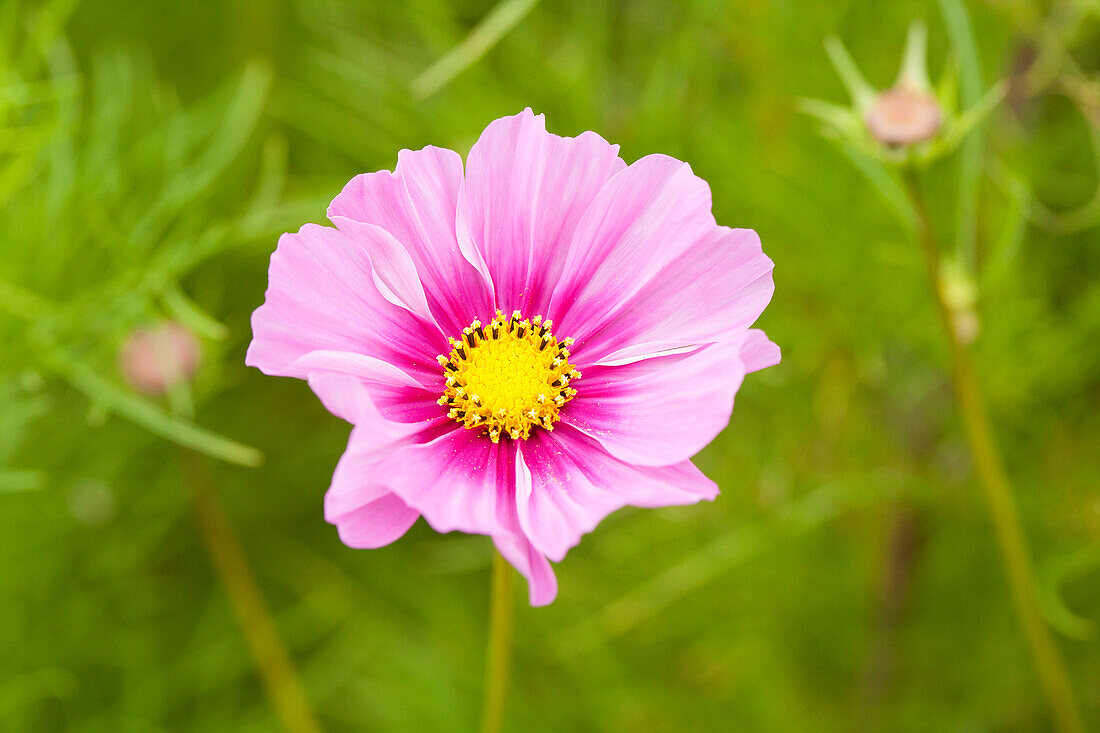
498,650
998,492
277,673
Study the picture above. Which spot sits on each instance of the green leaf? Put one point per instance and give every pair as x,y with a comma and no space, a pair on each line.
14,481
836,116
970,156
234,131
886,182
1015,224
150,416
956,130
184,310
859,89
494,26
914,65
1081,564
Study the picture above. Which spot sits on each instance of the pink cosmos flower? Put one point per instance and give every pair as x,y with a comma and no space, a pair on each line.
523,347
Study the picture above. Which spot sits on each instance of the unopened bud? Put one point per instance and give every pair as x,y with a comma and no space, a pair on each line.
155,359
904,116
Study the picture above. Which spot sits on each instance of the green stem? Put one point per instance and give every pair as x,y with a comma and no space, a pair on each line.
998,492
498,650
283,687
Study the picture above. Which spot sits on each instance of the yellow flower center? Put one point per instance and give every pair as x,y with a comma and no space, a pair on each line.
508,376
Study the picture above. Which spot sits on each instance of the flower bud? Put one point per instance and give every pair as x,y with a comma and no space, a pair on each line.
155,359
904,116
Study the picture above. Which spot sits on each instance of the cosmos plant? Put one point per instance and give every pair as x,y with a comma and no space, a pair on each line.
893,137
522,347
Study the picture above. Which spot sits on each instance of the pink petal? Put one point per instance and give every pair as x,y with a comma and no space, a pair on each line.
350,397
719,286
321,295
662,410
466,481
416,204
345,362
638,352
643,218
524,194
404,404
542,585
376,524
394,270
567,483
459,481
392,392
758,352
365,512
355,482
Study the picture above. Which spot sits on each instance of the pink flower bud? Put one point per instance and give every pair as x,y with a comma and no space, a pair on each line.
154,359
904,116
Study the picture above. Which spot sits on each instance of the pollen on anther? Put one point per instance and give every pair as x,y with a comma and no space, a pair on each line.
507,376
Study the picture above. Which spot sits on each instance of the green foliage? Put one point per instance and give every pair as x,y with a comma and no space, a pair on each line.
150,156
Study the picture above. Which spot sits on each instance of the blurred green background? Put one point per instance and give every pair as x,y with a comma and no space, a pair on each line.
846,579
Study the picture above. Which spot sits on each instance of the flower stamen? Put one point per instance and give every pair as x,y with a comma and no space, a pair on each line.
508,376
